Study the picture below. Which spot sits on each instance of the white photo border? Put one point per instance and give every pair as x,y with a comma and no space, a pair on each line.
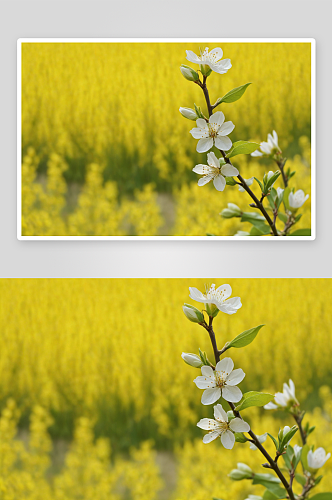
312,42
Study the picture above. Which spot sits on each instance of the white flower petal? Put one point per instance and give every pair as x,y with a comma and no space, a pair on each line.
210,396
204,180
204,145
226,128
216,54
211,436
225,365
228,439
195,294
213,160
219,182
231,393
191,56
207,424
226,291
202,169
207,372
217,118
199,133
257,153
201,123
239,425
204,382
229,170
235,377
220,413
223,143
270,406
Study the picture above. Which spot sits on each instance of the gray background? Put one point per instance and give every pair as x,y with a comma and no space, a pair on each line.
180,18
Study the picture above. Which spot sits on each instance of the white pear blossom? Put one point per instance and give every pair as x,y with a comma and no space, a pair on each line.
270,147
214,171
316,459
213,132
261,439
221,427
220,382
218,298
248,182
283,399
211,59
297,199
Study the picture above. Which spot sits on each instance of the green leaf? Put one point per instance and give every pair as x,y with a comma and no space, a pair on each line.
301,232
270,482
283,217
268,495
261,227
210,234
298,217
255,232
254,398
272,180
266,478
304,455
230,181
242,148
233,95
245,338
273,492
240,437
274,440
252,216
318,480
259,182
287,437
286,196
300,479
322,496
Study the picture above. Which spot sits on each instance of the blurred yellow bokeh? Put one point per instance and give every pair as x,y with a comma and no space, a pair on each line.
102,120
91,371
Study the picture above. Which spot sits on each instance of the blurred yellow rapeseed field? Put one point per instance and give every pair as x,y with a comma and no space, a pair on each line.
102,134
94,366
88,360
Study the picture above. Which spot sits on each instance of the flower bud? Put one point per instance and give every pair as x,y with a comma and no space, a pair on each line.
243,471
192,359
193,314
189,73
188,113
244,467
232,210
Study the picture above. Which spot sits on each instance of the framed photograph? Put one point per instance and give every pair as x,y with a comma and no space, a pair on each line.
166,139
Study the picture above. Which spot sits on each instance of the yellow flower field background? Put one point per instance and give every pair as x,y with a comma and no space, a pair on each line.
105,150
96,402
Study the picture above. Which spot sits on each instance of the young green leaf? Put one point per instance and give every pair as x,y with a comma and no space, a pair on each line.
254,398
242,148
300,479
304,456
245,337
259,182
322,496
283,217
240,437
274,440
233,95
301,232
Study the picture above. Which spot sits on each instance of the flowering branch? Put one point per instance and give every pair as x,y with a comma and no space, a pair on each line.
221,381
213,131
